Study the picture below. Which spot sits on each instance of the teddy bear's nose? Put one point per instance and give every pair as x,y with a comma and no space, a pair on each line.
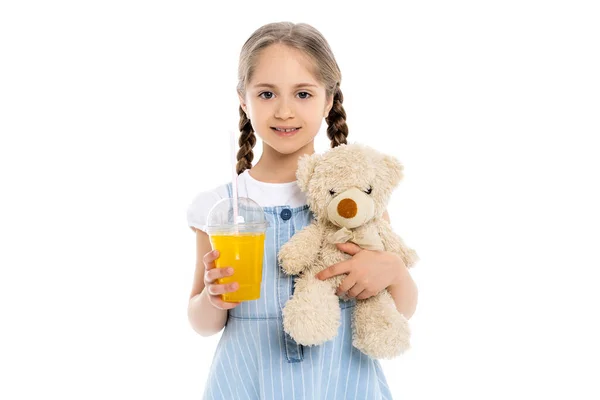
347,208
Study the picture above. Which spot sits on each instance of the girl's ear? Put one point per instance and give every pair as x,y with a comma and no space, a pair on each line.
306,167
243,104
394,170
328,106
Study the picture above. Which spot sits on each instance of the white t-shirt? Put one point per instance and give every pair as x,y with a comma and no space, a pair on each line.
265,194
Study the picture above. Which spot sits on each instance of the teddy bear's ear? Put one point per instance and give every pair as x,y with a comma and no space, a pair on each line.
394,169
306,167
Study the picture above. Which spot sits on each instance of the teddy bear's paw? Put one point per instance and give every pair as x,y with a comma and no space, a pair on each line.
311,319
382,335
412,258
288,258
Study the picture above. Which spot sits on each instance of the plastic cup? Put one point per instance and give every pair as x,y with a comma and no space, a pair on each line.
240,243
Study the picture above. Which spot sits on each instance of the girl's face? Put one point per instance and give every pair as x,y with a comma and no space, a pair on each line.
284,94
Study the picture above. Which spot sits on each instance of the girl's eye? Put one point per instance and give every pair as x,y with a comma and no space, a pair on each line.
369,190
331,192
270,93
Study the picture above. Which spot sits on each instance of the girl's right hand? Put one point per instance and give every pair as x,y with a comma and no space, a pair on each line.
214,290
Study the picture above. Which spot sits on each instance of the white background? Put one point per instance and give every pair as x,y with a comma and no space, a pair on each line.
114,114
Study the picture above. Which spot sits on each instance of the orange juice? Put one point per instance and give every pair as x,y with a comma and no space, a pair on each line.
243,252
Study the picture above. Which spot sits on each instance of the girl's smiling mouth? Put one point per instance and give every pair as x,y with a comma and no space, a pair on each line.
285,131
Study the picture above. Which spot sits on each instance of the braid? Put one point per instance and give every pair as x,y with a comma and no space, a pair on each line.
246,142
337,129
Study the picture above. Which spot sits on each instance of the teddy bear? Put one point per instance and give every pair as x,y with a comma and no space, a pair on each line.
347,189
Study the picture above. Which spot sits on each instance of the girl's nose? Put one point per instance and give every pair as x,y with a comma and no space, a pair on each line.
284,111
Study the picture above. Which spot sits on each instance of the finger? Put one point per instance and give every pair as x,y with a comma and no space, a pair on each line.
213,274
209,259
223,305
336,269
355,290
215,290
349,248
365,294
346,284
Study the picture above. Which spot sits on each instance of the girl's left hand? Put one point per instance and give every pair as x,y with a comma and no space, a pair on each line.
369,272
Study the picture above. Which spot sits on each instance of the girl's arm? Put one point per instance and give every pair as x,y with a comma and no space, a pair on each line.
404,290
205,318
405,294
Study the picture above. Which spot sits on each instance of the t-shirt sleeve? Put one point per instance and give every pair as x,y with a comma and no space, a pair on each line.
199,207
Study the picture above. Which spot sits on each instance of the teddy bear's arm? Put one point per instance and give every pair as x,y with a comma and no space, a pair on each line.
394,243
301,250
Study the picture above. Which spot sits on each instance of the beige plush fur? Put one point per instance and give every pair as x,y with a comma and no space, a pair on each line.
312,315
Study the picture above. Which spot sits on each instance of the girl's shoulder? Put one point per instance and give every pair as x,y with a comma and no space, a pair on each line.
201,204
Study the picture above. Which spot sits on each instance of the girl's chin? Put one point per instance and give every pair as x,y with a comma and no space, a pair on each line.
286,148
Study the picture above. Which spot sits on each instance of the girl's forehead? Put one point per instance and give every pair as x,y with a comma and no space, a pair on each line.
282,67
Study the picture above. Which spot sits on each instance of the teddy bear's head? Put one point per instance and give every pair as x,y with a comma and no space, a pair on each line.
348,185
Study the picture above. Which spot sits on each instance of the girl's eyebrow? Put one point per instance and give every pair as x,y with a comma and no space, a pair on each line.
269,85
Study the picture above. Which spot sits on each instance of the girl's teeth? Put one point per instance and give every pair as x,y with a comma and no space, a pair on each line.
285,130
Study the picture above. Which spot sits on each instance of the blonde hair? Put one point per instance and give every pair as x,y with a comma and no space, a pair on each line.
309,40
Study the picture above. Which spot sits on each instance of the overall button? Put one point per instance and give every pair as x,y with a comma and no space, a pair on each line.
286,214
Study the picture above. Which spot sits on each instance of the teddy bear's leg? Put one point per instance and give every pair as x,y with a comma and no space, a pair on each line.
312,315
379,330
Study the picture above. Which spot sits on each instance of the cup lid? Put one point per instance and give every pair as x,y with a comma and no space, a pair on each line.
251,217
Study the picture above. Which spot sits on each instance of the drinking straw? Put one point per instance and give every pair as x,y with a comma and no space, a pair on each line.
234,178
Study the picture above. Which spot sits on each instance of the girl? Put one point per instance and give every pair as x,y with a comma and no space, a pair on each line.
288,82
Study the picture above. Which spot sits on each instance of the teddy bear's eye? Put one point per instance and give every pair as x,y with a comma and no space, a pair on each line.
331,192
369,190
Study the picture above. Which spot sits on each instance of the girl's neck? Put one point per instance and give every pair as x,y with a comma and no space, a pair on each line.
274,167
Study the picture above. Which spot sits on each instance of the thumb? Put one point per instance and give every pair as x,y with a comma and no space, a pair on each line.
349,248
